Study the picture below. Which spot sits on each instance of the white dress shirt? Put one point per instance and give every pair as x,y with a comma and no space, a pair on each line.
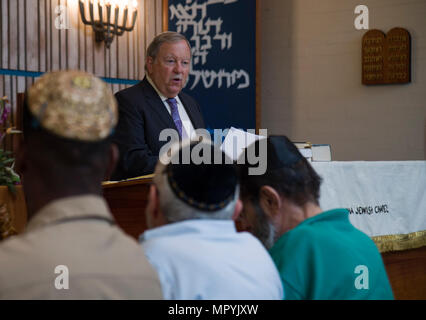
209,259
186,121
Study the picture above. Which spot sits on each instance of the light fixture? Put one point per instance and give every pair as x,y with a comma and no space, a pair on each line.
107,27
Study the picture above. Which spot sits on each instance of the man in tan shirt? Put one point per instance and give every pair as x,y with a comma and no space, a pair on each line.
72,248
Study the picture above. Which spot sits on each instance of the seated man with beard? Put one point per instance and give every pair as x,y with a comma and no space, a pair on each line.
315,251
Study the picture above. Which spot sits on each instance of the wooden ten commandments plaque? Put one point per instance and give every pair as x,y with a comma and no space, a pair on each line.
386,58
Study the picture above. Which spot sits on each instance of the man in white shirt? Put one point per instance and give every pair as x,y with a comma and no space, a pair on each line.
192,241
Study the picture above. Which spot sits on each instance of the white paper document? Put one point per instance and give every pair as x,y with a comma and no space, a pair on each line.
321,152
236,141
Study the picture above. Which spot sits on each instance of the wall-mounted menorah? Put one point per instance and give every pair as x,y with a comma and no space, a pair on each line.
107,26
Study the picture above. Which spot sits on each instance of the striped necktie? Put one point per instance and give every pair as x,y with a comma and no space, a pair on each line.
175,115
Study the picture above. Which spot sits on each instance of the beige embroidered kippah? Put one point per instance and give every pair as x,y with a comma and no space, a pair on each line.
74,105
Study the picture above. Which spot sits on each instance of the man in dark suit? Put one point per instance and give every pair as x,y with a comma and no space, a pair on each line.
155,104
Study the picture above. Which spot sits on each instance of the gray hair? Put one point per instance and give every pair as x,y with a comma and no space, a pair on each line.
263,229
168,36
175,209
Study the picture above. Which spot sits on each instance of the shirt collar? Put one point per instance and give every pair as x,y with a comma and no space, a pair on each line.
70,207
195,226
162,96
338,214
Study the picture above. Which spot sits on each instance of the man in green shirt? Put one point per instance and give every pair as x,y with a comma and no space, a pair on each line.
319,255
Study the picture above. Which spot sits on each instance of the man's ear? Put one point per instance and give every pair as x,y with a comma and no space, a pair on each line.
112,160
237,210
149,63
153,214
270,201
151,207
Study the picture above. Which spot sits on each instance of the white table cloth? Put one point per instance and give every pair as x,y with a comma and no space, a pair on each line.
383,197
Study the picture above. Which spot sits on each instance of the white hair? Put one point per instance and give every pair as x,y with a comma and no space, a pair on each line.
175,209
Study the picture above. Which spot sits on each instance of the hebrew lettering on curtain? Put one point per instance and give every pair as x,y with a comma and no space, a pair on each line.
222,34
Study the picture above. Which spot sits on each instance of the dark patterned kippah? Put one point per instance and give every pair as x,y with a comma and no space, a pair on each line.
280,152
207,186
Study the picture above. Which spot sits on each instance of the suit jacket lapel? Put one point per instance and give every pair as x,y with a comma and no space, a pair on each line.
192,112
156,104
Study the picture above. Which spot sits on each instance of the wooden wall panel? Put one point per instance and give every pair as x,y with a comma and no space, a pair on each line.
3,36
141,39
32,35
9,86
22,33
89,44
121,56
55,38
149,21
31,42
49,48
73,41
159,13
13,34
112,61
130,57
41,35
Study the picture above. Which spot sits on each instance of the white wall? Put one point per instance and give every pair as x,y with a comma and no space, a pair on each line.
311,79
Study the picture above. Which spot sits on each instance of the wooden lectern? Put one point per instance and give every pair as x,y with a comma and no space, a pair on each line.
127,201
